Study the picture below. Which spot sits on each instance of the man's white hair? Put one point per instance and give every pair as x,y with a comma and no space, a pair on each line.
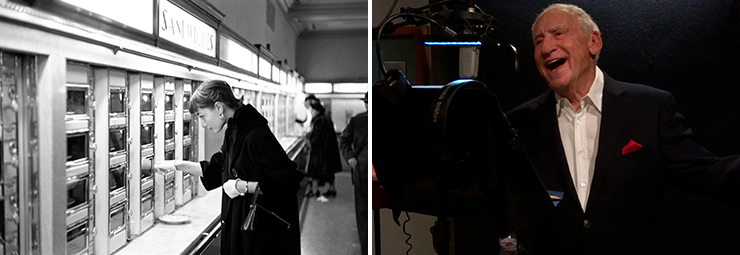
587,23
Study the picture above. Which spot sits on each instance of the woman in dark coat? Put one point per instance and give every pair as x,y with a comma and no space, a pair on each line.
323,152
250,156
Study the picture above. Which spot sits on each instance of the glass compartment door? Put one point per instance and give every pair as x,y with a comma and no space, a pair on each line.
9,226
19,227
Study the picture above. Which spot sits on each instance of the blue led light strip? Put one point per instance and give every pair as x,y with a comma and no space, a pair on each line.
477,43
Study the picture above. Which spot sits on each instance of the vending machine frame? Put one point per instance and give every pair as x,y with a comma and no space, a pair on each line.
80,122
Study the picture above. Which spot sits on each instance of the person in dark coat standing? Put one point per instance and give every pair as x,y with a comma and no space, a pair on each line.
250,156
323,152
353,144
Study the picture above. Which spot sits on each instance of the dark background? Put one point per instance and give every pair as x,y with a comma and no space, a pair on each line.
689,48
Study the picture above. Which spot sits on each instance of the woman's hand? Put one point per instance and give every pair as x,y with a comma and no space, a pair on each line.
352,163
166,166
231,189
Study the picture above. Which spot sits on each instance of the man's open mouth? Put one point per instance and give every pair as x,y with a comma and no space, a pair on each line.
555,63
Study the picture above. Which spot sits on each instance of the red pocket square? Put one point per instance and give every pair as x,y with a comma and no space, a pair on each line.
631,146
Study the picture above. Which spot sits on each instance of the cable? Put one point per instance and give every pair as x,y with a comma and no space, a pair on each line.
395,16
408,218
437,3
390,11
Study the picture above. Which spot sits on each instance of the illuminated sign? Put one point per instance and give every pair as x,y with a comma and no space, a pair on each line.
238,55
179,27
134,13
318,87
265,68
350,87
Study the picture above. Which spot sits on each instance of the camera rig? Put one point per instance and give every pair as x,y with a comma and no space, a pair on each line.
455,137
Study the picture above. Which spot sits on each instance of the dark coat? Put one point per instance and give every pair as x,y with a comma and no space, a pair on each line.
251,152
323,155
623,210
353,144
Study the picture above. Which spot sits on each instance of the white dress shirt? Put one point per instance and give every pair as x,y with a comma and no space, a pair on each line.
579,131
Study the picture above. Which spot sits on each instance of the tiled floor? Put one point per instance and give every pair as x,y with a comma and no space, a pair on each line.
330,227
326,227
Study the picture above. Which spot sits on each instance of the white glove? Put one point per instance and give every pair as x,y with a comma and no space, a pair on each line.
230,188
252,187
163,167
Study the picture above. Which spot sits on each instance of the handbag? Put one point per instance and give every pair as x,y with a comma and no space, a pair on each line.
249,222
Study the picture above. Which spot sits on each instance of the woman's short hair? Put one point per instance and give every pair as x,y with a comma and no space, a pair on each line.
317,106
212,91
311,97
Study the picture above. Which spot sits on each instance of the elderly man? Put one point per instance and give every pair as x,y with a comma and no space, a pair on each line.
608,147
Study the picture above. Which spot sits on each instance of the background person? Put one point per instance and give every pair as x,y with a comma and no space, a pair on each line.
323,152
353,144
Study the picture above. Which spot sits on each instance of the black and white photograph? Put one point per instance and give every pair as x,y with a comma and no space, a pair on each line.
196,127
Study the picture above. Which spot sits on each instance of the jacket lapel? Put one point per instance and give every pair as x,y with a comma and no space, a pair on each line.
613,119
550,134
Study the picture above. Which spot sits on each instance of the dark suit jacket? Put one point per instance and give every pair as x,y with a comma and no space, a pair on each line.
623,211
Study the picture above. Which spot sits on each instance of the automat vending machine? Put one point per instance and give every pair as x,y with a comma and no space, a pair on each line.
80,166
19,155
118,153
164,120
144,188
184,190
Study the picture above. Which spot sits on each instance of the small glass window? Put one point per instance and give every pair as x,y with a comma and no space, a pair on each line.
146,102
76,101
146,203
186,102
116,219
169,155
147,134
186,183
117,140
77,239
117,102
77,146
186,128
169,191
169,130
168,102
186,152
116,178
77,192
147,164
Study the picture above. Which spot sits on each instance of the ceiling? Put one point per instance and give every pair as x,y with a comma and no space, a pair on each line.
327,16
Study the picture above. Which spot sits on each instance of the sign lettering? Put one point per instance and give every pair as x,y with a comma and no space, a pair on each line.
178,26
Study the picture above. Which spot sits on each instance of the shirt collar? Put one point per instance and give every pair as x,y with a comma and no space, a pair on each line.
594,96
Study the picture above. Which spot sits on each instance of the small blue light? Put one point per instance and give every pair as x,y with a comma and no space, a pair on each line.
477,43
427,86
